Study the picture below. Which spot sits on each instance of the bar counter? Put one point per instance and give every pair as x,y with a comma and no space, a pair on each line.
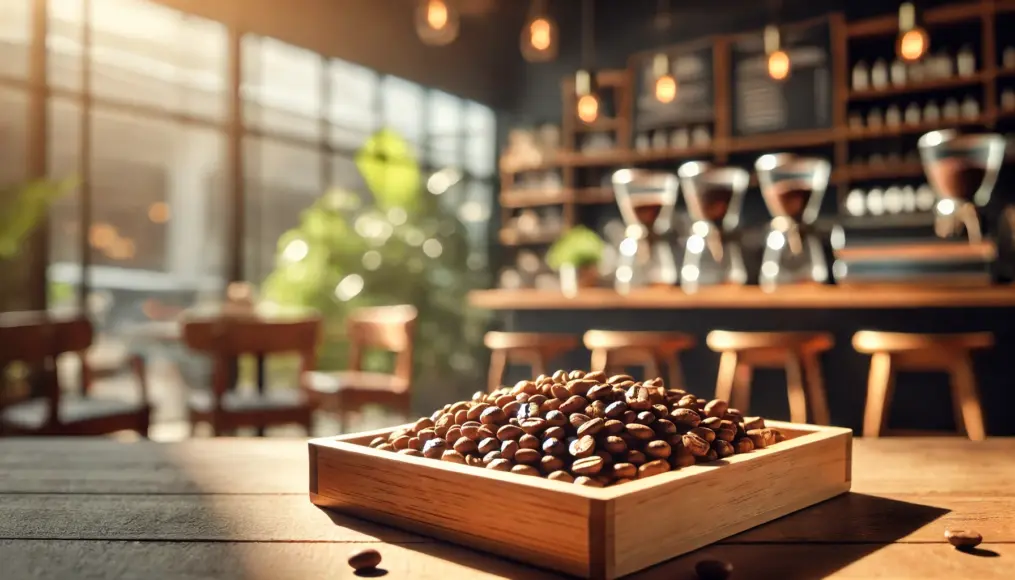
750,297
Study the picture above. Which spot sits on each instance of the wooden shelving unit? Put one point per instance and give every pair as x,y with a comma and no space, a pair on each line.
921,87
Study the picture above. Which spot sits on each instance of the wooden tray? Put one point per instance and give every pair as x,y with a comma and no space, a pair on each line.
583,531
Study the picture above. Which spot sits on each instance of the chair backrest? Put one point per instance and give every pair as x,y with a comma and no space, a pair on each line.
388,328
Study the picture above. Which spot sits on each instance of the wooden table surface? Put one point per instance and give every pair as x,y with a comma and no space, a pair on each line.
237,508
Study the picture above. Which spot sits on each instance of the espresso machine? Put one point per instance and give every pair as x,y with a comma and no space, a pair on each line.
714,195
646,200
792,187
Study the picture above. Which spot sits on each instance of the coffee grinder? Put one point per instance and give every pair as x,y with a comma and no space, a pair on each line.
793,187
714,195
646,200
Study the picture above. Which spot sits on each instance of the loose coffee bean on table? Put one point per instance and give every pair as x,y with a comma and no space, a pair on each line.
588,429
363,560
963,539
713,570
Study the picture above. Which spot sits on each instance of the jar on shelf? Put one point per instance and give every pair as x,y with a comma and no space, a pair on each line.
950,111
970,108
965,61
913,114
908,199
659,140
701,136
874,119
642,142
856,203
931,112
875,202
1008,99
893,116
681,138
1008,57
893,200
879,74
861,77
898,73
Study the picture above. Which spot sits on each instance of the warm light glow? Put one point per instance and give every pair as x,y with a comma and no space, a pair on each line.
102,236
913,44
540,34
778,65
158,212
436,14
666,89
588,108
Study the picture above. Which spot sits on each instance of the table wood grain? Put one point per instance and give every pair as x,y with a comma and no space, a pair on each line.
238,508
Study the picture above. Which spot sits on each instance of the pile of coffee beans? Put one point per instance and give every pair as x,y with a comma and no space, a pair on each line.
583,427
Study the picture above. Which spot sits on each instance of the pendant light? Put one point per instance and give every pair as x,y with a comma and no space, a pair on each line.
913,41
665,82
436,22
585,80
777,59
540,39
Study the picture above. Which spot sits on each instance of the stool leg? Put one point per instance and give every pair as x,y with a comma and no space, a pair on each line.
538,364
727,376
650,369
795,387
815,386
965,399
879,395
675,372
498,362
741,398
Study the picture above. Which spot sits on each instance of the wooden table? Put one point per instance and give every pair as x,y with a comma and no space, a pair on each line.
235,508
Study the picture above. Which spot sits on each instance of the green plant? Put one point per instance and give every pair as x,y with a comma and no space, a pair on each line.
23,207
579,247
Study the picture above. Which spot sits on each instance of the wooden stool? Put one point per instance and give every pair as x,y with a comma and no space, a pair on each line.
614,349
534,349
949,353
796,352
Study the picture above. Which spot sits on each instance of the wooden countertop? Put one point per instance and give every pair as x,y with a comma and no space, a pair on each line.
731,297
238,508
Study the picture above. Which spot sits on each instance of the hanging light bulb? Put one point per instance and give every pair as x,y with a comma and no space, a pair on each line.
539,36
913,41
436,22
666,84
588,102
778,59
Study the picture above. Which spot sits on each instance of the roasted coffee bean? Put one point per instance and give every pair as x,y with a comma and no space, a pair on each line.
401,443
453,456
751,423
527,456
638,398
503,400
597,410
508,449
580,387
527,410
614,444
555,418
963,539
734,415
555,433
422,423
521,398
710,423
727,435
491,456
529,442
587,481
618,379
625,470
573,404
444,422
559,376
486,431
779,436
582,447
709,457
549,464
653,468
461,417
681,460
722,448
654,383
478,396
364,560
527,387
744,445
713,570
549,406
525,470
707,434
635,457
411,451
559,391
415,443
434,448
464,445
537,400
453,434
554,446
578,419
646,417
473,461
761,438
622,480
716,408
511,409
493,416
596,376
694,443
616,409
613,427
509,433
562,476
426,435
664,427
437,414
599,392
660,411
639,431
591,427
658,449
471,429
629,417
606,456
533,425
456,407
575,374
587,466
688,402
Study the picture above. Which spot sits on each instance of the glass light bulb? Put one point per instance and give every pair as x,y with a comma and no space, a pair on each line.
436,14
588,108
436,22
540,34
778,65
666,89
913,44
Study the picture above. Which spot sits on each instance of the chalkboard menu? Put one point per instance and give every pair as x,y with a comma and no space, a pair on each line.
694,101
802,101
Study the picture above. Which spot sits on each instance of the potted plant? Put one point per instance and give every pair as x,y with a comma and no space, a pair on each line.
576,257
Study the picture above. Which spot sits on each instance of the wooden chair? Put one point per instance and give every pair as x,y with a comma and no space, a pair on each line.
387,328
534,349
950,353
225,339
37,339
613,350
796,352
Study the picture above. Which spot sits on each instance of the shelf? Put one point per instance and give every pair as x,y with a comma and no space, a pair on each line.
1004,72
594,195
926,86
888,25
509,238
602,125
852,173
860,222
898,296
547,164
519,198
909,129
670,154
773,141
612,157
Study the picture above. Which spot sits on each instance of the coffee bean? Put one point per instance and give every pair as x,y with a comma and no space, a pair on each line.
492,455
653,468
443,424
573,404
503,400
575,374
779,436
713,570
549,464
527,387
761,438
525,470
478,396
555,433
664,427
727,435
613,427
415,443
646,417
734,415
411,451
559,392
639,431
635,457
464,445
508,449
712,455
533,425
598,392
477,411
596,376
685,418
538,401
716,408
597,410
581,386
723,448
471,429
963,539
554,446
560,376
527,456
688,402
511,409
614,444
587,466
486,431
499,465
638,398
582,447
616,409
694,443
422,423
509,433
426,435
561,476
364,560
681,460
658,449
434,448
528,410
555,418
591,427
529,442
587,481
625,470
629,417
452,456
706,434
459,406
493,416
401,442
744,445
578,419
618,379
710,423
473,461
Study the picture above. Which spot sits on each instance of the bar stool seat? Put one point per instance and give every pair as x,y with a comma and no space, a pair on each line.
614,349
534,349
949,353
796,352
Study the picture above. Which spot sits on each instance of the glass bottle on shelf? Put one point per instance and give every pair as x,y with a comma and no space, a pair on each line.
680,139
950,111
970,108
659,140
898,73
893,200
913,114
642,142
893,117
965,61
1008,99
944,65
874,119
1008,57
931,112
856,203
879,74
908,199
875,202
861,77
